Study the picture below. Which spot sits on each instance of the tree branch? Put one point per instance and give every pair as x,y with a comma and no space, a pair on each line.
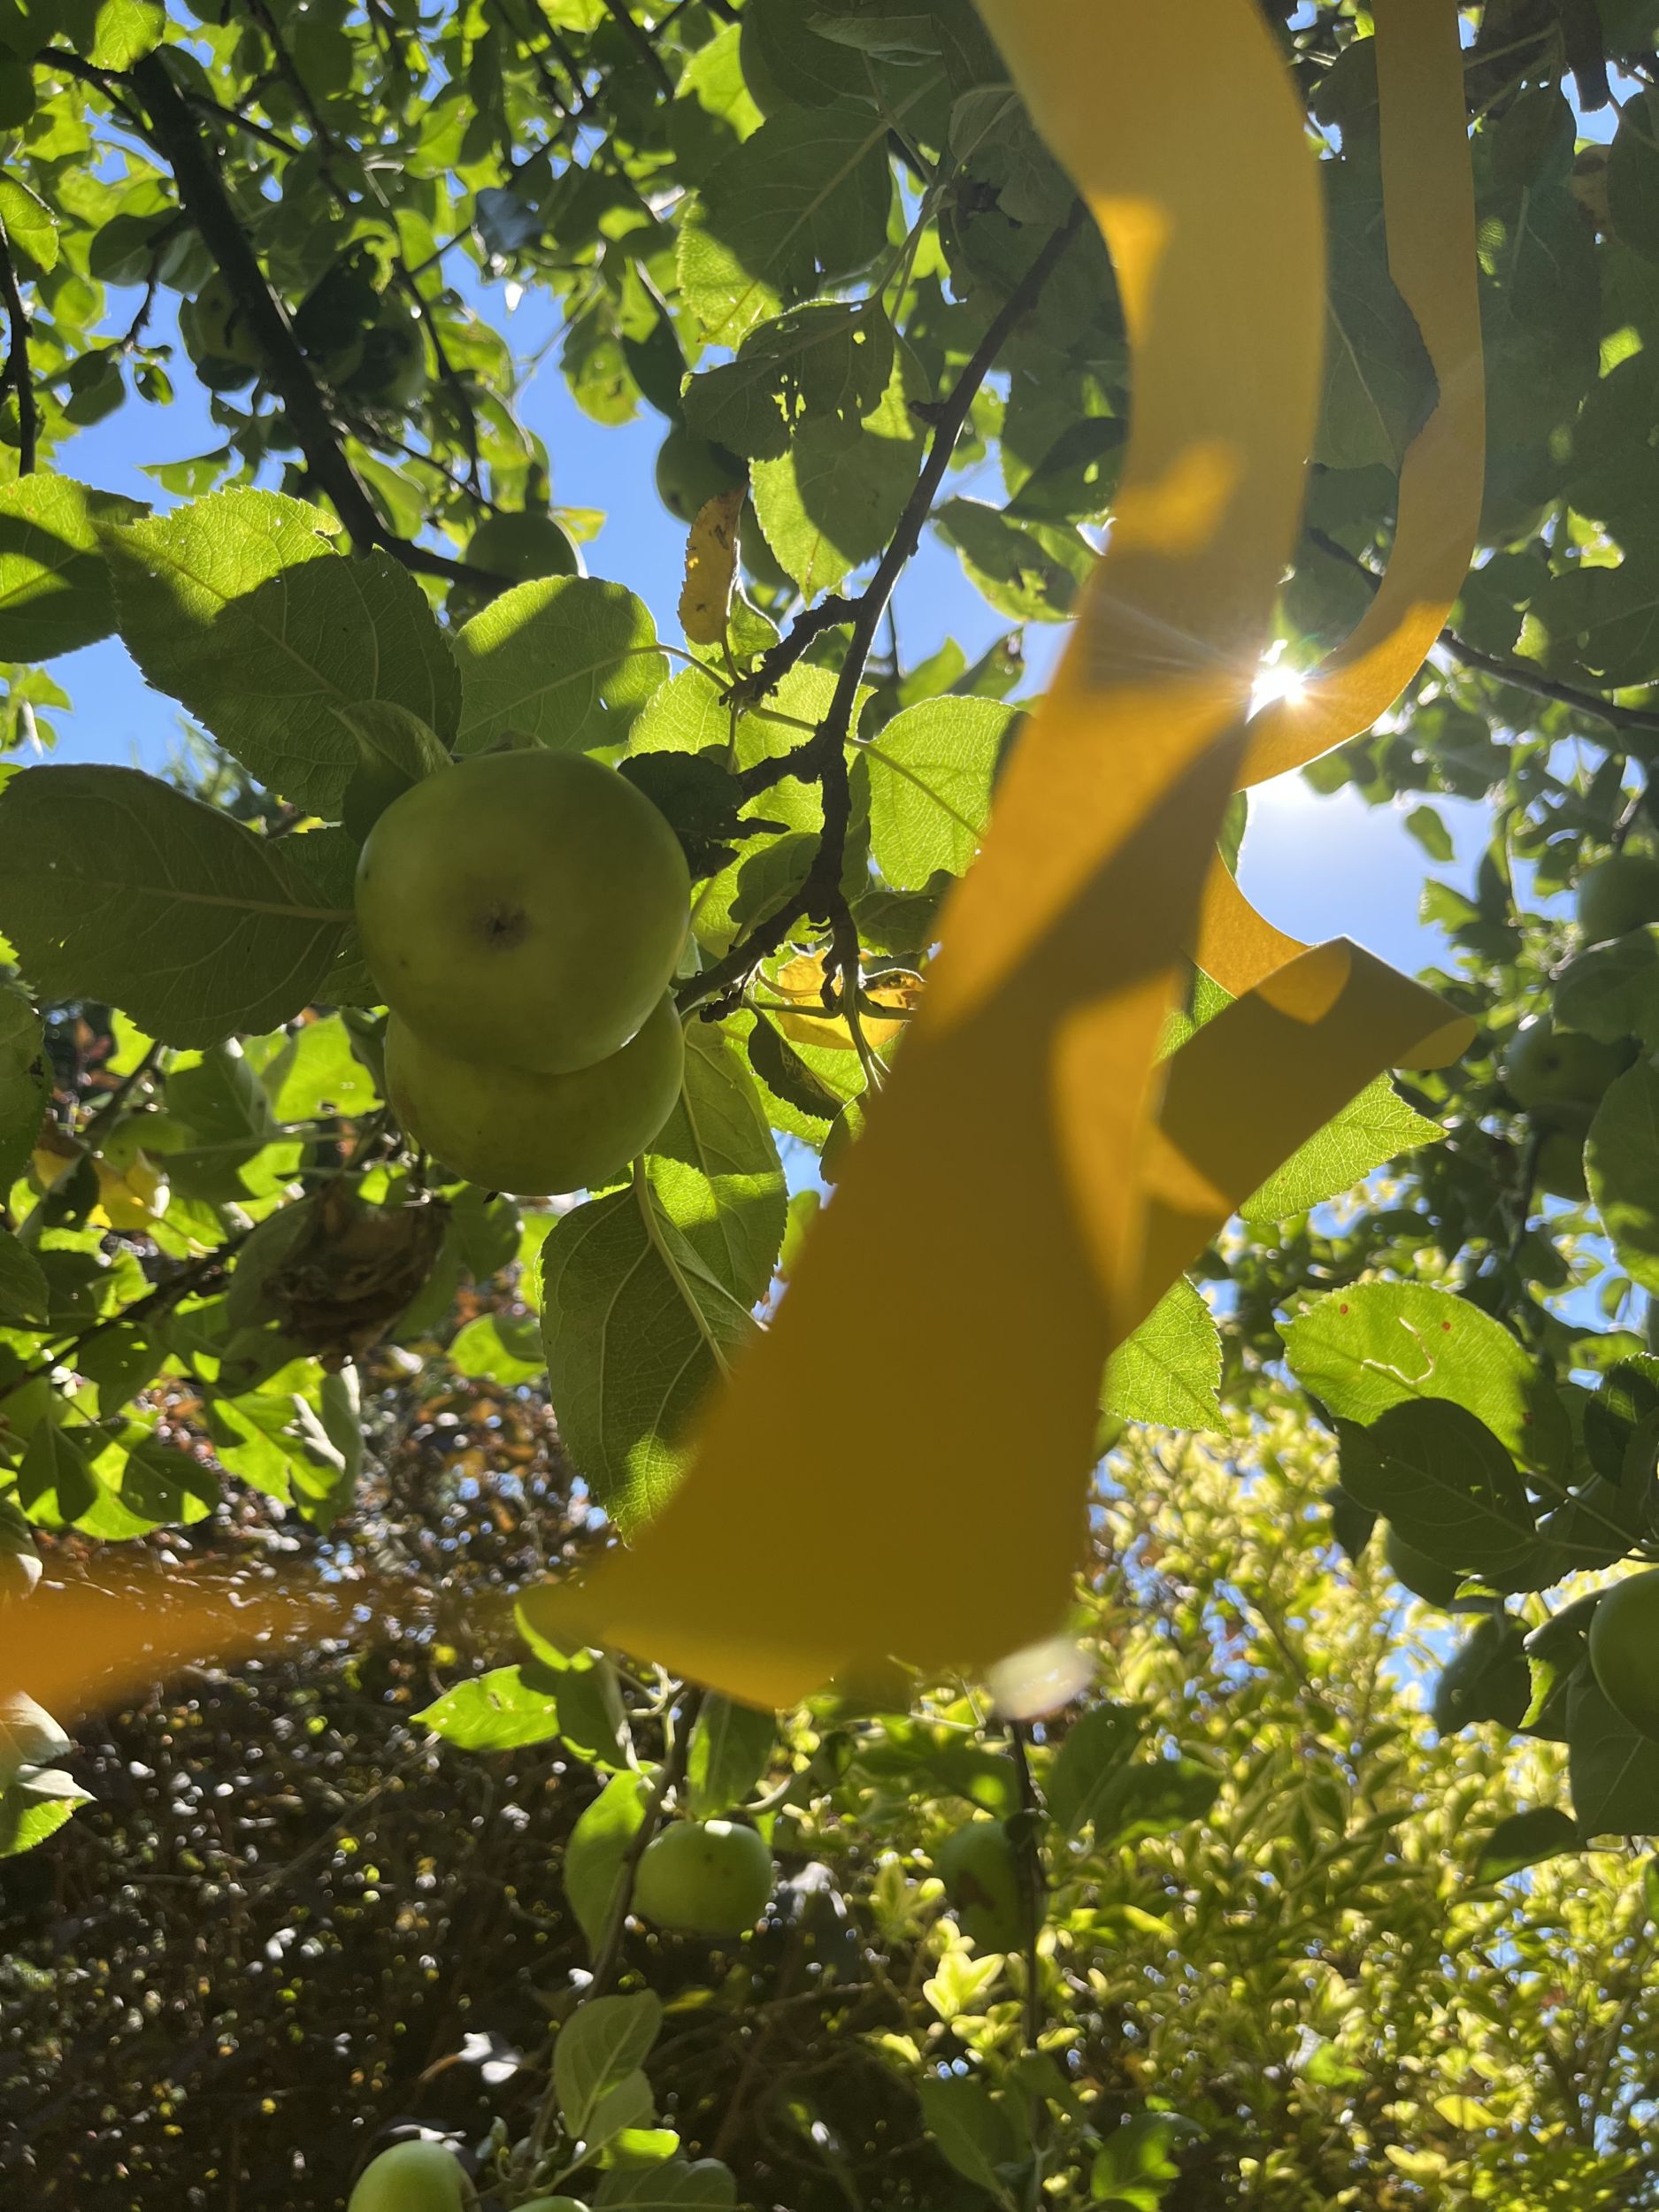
17,366
1519,677
823,757
203,196
641,39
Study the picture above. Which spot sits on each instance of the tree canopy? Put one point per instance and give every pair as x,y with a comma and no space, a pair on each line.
1251,1929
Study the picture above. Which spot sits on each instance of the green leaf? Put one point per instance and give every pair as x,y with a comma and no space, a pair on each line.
25,1083
1487,1680
568,662
25,1300
1633,175
493,1712
506,1348
36,1795
827,362
715,1170
1376,1128
731,1748
1030,572
1152,1798
1169,1373
970,2129
1094,1752
1444,1480
240,607
1526,1839
1375,1345
931,771
1619,1156
55,590
802,202
604,2041
1379,383
1137,2159
313,1070
125,32
114,886
637,1333
1611,991
1615,1771
831,502
26,223
597,1848
56,1484
673,2185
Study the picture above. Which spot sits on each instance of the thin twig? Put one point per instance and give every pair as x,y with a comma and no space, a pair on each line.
164,1295
1520,678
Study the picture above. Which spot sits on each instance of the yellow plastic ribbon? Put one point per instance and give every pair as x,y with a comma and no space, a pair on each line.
900,1467
1429,208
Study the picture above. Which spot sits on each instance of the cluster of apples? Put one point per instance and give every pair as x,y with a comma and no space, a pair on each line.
522,915
709,1878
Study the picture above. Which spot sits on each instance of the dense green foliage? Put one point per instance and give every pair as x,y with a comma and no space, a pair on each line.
825,247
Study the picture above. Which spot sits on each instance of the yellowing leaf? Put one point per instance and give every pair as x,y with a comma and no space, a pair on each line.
801,981
710,568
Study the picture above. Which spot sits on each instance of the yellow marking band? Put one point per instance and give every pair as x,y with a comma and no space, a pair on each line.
901,1466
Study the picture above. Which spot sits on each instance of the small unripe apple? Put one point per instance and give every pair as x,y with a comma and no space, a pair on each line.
522,546
1625,1650
412,2177
1554,1073
980,1868
707,1877
526,907
691,471
1618,895
537,1135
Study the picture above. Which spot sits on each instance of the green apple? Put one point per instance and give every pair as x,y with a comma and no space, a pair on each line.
1617,895
536,1135
691,471
1425,1577
980,1868
1625,1650
528,907
707,1877
413,2177
522,546
1554,1073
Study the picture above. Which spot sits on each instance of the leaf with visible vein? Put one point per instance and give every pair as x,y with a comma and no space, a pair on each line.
114,886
